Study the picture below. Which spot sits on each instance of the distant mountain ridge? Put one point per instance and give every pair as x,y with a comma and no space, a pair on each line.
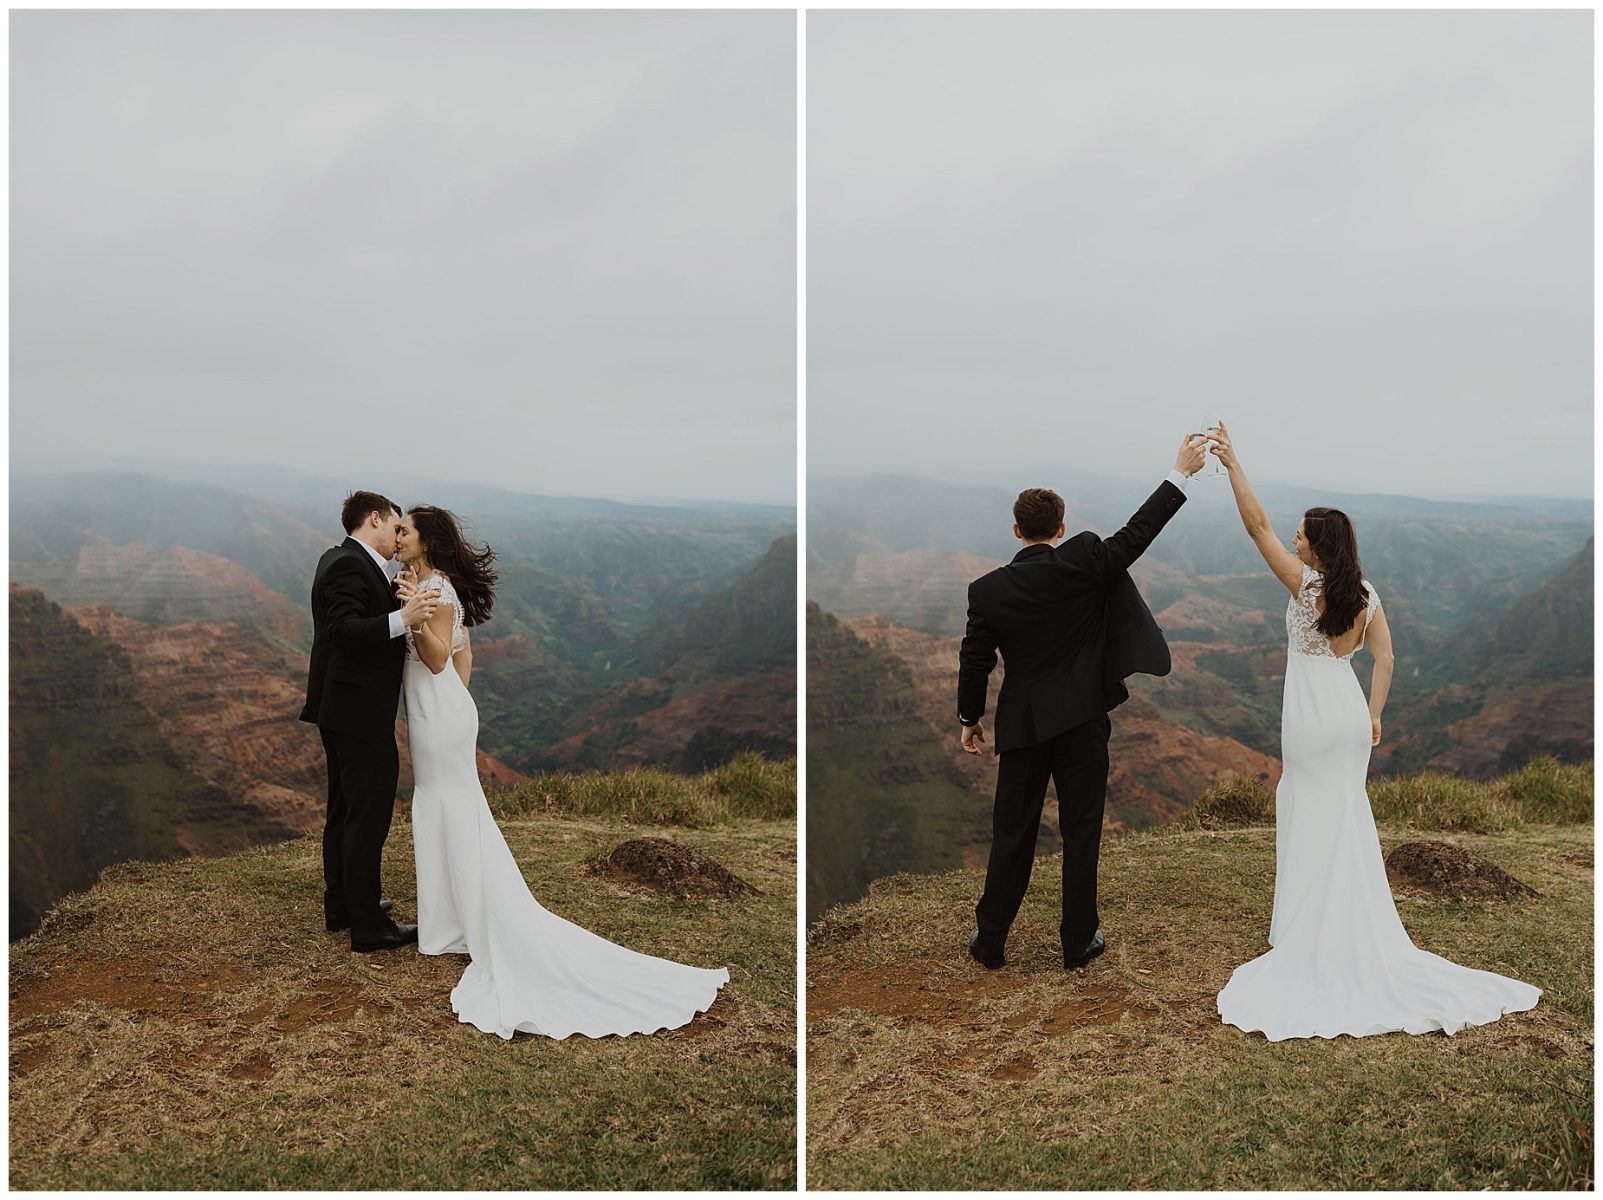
621,634
722,681
93,779
889,788
1490,608
187,737
1510,690
1439,553
1446,582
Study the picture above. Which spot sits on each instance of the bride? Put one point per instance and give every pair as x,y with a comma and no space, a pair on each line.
1340,960
531,970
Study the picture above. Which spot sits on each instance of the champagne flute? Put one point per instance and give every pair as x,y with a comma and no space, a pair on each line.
1210,425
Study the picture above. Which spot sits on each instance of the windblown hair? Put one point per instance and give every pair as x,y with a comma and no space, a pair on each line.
1039,512
1331,538
358,505
467,566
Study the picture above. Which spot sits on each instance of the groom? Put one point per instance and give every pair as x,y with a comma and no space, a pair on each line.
351,696
1070,626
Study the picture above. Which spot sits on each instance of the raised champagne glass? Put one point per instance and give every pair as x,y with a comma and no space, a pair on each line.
1210,426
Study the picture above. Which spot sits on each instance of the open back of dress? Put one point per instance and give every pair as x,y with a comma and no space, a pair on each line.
1341,961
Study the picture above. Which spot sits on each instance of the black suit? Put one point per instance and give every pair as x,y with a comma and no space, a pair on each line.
352,692
1070,625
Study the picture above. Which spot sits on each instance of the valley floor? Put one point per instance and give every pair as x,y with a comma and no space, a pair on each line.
926,1071
192,1026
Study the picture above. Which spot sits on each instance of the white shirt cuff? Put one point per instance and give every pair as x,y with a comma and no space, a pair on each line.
1179,479
397,627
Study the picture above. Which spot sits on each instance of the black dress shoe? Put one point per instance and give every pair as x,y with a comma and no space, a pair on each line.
334,926
404,935
1086,953
983,956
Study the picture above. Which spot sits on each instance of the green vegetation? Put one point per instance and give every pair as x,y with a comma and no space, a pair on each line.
587,671
926,1071
747,786
875,780
192,1026
1239,800
93,782
1543,792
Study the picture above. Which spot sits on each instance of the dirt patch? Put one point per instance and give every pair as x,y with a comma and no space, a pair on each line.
904,991
140,986
715,1017
780,1050
29,1058
967,1059
332,1001
256,1068
667,866
137,985
1443,869
1095,1006
1531,1044
1019,1067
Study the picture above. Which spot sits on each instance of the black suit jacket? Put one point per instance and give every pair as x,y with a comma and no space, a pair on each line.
1070,626
354,685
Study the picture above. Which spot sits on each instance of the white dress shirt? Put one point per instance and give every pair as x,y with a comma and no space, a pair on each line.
397,626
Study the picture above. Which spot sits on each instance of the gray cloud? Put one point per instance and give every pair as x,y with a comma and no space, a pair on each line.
1363,238
552,251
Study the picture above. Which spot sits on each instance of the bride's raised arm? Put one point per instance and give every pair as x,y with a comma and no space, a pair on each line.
1286,565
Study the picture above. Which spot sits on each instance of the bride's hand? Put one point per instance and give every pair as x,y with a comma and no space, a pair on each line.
1374,731
406,583
1221,448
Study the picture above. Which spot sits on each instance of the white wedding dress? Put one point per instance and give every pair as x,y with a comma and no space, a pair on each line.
1341,961
531,970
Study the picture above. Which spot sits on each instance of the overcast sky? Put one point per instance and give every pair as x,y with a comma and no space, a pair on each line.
1363,238
549,251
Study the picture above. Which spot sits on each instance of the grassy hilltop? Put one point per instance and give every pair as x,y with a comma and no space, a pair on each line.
190,1025
926,1071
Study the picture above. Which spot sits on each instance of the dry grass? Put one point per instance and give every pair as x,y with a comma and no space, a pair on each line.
191,1026
925,1071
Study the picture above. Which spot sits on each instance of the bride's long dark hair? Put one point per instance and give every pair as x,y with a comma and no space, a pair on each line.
1335,545
467,566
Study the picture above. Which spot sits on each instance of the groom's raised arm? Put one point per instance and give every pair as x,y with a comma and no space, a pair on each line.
1116,553
976,659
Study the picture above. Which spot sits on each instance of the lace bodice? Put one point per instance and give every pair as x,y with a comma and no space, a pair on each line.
439,583
1302,618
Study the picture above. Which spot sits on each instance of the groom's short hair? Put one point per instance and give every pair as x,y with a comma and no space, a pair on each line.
1039,512
359,504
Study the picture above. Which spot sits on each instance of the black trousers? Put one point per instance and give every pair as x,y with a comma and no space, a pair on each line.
361,801
1077,761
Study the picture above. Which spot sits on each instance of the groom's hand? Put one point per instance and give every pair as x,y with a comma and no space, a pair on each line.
418,609
974,737
1193,453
